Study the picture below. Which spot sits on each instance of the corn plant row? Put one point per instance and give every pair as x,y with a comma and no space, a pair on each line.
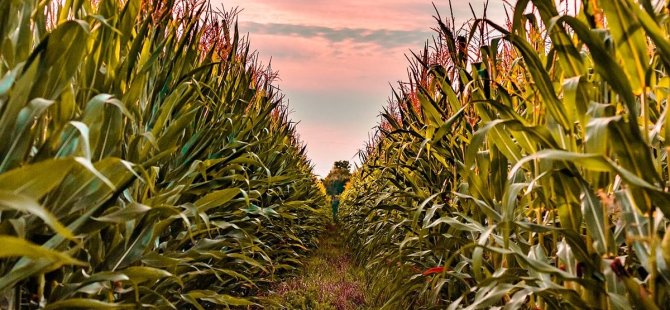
146,160
524,169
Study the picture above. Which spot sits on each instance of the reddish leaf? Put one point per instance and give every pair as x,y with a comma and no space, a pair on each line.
433,270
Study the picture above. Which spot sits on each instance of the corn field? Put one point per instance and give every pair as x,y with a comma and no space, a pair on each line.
146,160
525,165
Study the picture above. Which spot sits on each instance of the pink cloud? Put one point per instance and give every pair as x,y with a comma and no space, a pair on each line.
386,14
317,64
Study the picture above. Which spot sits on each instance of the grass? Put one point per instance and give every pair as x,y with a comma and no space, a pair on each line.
329,280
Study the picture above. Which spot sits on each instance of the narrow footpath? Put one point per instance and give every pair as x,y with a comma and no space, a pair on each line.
331,280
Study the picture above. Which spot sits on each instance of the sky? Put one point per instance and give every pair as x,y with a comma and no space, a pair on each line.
338,59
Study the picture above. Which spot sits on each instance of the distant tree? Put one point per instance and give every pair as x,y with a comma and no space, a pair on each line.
337,178
335,182
342,165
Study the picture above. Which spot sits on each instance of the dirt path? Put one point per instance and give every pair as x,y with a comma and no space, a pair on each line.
331,280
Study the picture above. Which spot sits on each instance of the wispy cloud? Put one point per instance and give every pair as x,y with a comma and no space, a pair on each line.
380,37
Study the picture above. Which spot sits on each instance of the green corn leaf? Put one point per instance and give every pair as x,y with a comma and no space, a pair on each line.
84,303
17,247
18,202
23,181
630,39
